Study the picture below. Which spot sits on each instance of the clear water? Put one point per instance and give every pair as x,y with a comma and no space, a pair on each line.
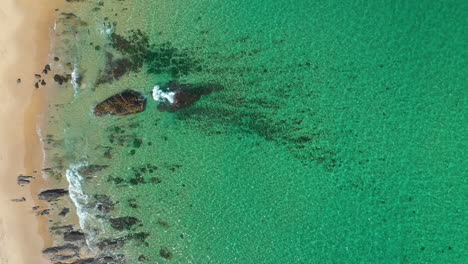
339,135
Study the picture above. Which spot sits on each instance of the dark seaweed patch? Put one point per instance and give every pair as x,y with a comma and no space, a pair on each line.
165,253
137,52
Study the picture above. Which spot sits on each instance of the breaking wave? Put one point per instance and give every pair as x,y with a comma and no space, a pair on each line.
160,96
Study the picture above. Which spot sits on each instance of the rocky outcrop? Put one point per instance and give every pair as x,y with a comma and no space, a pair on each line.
125,103
68,249
184,95
74,236
52,195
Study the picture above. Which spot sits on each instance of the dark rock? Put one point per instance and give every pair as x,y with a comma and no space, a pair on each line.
23,182
64,211
56,58
61,79
65,249
22,199
38,76
73,236
125,103
18,80
46,69
36,85
43,83
61,257
165,253
52,195
35,208
25,177
186,95
124,223
84,261
68,228
43,212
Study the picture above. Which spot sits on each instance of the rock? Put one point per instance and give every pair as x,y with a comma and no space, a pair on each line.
22,199
38,76
56,58
125,103
73,236
65,249
23,182
64,211
35,208
46,69
25,177
61,257
43,212
124,223
43,83
61,79
18,80
68,228
183,95
52,195
84,261
36,85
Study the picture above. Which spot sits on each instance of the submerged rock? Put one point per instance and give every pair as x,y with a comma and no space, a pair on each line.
91,169
174,96
115,68
165,253
52,195
22,199
123,223
125,103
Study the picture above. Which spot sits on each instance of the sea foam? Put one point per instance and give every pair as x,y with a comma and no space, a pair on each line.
81,201
75,80
160,96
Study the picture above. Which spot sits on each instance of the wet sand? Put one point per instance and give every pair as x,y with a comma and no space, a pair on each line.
24,47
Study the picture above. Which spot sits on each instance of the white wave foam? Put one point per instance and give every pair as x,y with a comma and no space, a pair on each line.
81,201
160,96
75,81
106,28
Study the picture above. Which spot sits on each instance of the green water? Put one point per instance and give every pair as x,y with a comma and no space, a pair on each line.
339,135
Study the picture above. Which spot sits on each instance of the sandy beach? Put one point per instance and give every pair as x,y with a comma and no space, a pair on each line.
24,49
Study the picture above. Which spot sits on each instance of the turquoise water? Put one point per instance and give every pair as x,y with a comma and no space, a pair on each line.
338,137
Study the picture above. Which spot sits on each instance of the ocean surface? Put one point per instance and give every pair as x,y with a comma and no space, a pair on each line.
335,131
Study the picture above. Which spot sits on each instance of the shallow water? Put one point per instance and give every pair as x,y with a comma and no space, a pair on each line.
337,135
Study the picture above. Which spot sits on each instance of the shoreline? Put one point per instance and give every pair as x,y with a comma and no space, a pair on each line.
24,51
